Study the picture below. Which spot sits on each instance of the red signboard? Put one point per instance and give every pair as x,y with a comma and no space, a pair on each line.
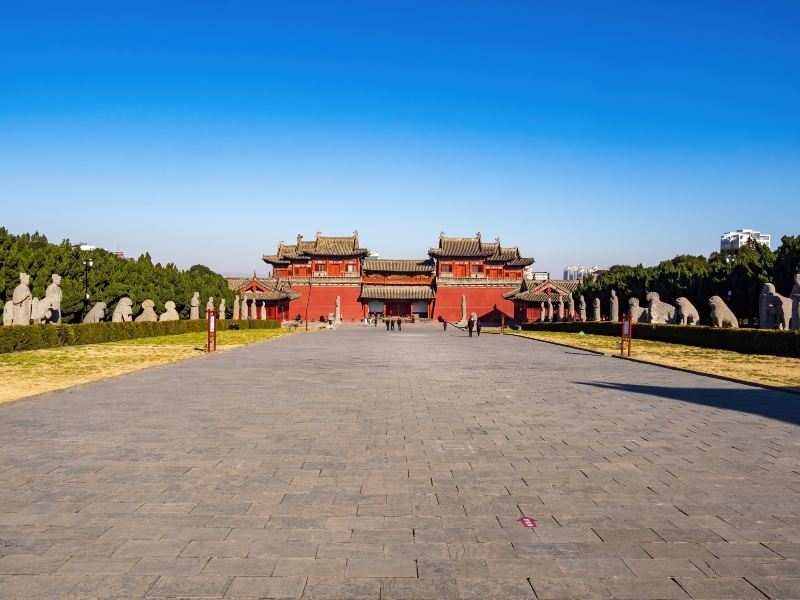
212,331
527,521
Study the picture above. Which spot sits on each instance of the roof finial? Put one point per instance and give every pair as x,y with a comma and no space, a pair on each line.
441,235
478,235
319,233
497,239
299,239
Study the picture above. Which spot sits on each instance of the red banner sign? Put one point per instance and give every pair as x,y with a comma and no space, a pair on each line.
527,521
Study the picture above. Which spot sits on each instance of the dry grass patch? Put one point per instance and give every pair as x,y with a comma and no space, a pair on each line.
36,371
756,368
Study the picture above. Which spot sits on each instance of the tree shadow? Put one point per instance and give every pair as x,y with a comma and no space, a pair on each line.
783,406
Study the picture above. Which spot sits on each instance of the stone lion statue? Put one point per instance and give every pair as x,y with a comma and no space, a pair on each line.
638,313
721,315
96,314
123,311
148,313
169,314
687,313
660,312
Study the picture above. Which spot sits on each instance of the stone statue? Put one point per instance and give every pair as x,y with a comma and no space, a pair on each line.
210,304
22,300
338,310
8,313
245,307
795,324
582,307
638,313
169,314
35,314
721,315
660,312
221,315
194,311
123,311
570,308
463,320
560,309
236,309
596,310
96,314
687,313
614,315
264,310
148,314
775,311
549,310
49,310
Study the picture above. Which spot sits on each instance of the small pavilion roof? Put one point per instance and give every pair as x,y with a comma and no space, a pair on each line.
541,291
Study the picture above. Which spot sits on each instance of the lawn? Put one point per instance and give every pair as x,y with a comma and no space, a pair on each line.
36,371
756,368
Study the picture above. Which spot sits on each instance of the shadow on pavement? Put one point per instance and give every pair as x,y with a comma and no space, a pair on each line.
756,401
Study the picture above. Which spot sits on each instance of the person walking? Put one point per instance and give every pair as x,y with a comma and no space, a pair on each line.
391,323
376,319
478,327
444,325
470,326
399,325
387,324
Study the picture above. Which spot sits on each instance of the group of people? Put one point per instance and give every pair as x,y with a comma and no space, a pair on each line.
473,324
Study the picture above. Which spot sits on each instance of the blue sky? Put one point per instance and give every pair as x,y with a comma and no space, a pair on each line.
584,132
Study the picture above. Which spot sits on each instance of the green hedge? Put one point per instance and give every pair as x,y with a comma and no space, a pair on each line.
34,337
748,341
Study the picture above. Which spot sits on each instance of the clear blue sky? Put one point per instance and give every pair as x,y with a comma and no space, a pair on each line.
584,132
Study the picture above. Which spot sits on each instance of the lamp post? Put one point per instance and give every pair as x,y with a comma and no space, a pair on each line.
87,264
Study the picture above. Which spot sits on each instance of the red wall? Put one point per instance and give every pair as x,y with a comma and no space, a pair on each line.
481,301
323,301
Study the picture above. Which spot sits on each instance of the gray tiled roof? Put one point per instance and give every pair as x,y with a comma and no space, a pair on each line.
397,292
389,265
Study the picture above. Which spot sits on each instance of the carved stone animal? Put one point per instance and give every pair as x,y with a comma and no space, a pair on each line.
96,314
660,312
780,311
796,303
123,311
638,314
687,313
721,315
169,314
148,313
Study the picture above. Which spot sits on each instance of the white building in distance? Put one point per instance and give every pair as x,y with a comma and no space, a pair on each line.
579,272
732,240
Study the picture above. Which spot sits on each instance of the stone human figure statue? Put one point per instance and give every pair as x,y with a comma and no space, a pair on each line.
96,314
194,310
49,310
549,310
210,304
614,316
582,307
795,295
148,314
221,315
8,313
263,310
123,311
596,310
560,309
570,308
22,300
463,309
236,309
169,314
245,307
338,309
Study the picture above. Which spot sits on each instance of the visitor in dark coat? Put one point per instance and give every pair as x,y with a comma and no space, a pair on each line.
399,325
387,324
470,326
478,327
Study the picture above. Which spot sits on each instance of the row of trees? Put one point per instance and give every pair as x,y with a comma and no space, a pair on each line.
736,276
109,279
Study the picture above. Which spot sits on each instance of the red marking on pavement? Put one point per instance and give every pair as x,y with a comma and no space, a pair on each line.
527,521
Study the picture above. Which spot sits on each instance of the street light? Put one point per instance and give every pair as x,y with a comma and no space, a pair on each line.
87,264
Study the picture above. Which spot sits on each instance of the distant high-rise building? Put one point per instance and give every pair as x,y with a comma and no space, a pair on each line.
579,272
732,240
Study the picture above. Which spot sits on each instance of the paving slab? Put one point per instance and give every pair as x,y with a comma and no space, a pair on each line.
357,463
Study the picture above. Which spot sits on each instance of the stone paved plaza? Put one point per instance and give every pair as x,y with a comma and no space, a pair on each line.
364,464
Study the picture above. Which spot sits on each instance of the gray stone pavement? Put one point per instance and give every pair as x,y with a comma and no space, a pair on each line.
362,464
